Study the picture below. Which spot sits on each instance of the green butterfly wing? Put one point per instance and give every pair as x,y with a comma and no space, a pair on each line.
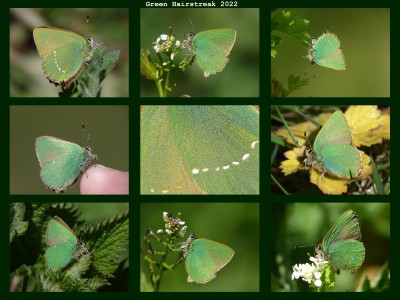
63,52
205,258
335,131
48,39
347,254
326,45
212,48
61,162
346,227
62,244
327,52
62,70
342,244
333,148
58,256
343,161
199,149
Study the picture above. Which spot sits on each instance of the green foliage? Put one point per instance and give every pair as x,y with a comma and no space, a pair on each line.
294,83
288,23
167,48
157,260
89,272
327,278
147,67
382,281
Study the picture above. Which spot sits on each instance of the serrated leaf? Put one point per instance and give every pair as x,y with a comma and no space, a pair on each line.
147,68
287,22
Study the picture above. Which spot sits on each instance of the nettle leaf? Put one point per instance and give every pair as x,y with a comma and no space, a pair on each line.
109,239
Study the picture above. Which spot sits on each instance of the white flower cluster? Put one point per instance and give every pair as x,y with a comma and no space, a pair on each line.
164,43
310,273
173,225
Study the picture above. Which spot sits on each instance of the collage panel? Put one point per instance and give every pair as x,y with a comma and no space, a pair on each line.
332,247
201,52
207,57
331,150
199,247
72,247
69,52
52,147
330,52
199,149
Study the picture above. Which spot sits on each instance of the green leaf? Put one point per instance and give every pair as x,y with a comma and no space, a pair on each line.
287,22
109,238
381,281
147,68
294,83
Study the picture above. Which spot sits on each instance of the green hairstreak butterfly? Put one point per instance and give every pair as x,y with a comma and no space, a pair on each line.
326,52
199,149
63,244
64,53
333,152
342,245
212,48
204,258
61,162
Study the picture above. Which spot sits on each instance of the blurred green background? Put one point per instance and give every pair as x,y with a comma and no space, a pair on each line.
300,224
365,40
107,126
233,224
240,78
109,26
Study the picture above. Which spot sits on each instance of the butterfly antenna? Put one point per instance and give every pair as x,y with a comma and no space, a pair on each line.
83,136
304,246
87,27
306,137
192,25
